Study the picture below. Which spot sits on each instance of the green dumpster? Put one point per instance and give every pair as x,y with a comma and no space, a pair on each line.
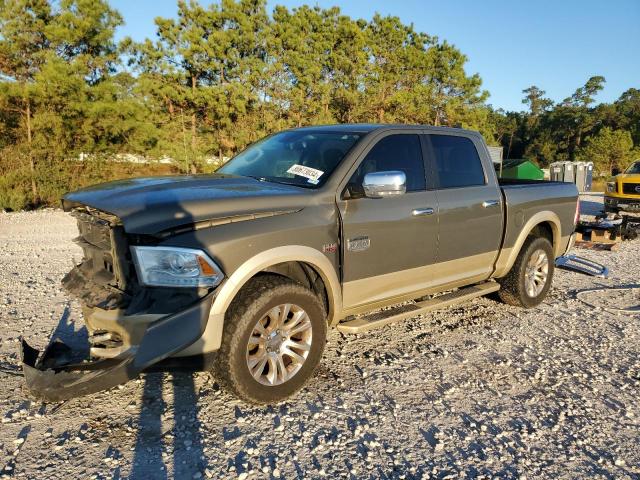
521,169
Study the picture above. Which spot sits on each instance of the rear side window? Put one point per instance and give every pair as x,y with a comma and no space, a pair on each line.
456,161
395,152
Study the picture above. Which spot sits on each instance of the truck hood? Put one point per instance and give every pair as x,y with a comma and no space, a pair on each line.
628,177
153,204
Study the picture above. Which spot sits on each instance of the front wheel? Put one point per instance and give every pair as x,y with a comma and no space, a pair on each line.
529,280
274,336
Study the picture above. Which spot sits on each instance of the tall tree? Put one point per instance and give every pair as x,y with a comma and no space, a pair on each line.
206,67
51,58
609,149
348,62
301,42
535,98
392,45
577,115
628,110
23,52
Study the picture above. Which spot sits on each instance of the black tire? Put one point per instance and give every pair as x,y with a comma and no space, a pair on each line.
256,298
512,286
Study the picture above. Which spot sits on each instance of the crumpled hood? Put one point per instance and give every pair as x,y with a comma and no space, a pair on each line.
153,204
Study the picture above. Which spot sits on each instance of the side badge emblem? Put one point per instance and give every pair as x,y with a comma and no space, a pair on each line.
358,244
330,248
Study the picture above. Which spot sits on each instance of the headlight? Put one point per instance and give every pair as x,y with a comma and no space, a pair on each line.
175,267
611,187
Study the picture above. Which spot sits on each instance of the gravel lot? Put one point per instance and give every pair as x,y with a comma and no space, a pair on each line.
477,391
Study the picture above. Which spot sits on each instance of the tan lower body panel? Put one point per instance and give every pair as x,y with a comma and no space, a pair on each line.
381,319
366,293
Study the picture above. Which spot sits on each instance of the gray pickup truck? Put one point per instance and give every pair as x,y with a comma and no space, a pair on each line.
242,272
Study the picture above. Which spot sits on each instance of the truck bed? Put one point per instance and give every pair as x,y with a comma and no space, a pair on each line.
523,199
523,181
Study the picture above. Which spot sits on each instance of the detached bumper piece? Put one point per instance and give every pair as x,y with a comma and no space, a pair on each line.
49,378
578,264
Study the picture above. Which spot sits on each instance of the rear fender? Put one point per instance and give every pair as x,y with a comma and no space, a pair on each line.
508,254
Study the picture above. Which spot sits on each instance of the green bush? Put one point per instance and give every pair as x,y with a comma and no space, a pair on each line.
54,177
14,191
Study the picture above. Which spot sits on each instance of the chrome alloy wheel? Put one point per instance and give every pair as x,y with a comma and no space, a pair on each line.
536,273
279,344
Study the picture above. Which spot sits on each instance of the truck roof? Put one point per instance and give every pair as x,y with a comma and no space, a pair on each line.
370,127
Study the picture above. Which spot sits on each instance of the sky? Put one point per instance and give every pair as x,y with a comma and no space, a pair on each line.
513,44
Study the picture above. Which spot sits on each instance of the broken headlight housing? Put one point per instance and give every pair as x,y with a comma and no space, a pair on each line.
175,267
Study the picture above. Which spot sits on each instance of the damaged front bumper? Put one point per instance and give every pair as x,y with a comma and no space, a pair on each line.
49,380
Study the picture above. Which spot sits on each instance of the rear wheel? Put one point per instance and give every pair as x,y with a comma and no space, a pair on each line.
529,280
273,339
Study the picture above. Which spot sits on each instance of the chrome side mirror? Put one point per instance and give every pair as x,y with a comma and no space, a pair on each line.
384,184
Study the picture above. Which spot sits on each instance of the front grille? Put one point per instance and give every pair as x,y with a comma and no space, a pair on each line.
95,233
631,188
104,245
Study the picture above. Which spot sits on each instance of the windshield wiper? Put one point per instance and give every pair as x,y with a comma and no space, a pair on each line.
277,180
260,179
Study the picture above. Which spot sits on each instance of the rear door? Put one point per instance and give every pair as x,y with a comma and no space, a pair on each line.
388,243
470,206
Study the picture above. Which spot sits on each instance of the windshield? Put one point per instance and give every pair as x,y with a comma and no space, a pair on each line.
300,158
634,168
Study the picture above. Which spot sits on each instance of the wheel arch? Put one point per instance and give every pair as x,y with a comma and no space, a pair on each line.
546,224
281,261
296,262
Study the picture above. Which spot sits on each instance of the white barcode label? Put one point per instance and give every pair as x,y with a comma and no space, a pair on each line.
307,172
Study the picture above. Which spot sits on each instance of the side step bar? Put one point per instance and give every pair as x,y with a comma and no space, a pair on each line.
385,317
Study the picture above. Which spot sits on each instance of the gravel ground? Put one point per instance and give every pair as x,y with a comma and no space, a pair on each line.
477,391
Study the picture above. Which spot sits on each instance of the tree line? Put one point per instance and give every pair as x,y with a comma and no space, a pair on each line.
575,129
219,77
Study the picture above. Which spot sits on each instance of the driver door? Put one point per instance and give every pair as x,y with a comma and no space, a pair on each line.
389,243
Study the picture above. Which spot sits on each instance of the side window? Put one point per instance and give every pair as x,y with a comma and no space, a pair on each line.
394,152
456,161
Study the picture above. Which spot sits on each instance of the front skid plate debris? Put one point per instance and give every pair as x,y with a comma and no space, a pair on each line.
49,378
578,264
73,380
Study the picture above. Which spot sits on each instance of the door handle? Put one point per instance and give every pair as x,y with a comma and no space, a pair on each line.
421,212
490,203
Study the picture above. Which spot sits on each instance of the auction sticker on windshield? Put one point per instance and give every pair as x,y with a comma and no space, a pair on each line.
307,172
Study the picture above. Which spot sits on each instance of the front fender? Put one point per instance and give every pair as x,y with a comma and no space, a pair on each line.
212,337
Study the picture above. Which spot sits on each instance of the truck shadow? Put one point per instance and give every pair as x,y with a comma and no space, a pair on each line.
157,442
73,334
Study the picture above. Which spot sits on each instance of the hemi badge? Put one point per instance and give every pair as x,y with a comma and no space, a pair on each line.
330,248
